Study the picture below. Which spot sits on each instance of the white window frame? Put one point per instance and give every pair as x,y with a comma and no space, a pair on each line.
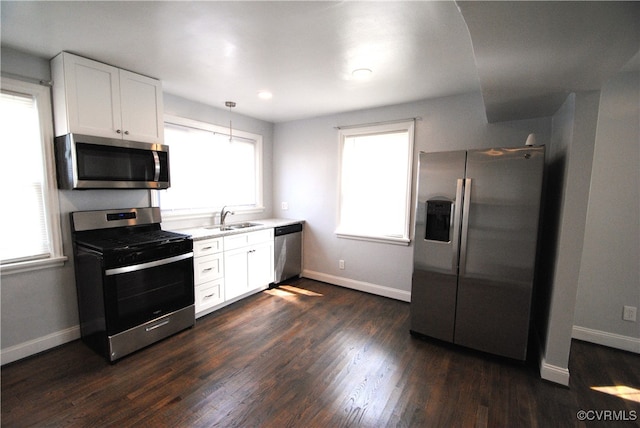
344,231
209,211
42,96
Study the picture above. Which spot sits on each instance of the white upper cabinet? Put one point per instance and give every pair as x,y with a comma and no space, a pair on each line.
141,107
93,98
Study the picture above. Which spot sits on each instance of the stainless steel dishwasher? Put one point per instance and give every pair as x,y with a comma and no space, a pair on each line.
287,252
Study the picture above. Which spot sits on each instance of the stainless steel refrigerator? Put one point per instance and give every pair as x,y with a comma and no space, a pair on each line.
476,235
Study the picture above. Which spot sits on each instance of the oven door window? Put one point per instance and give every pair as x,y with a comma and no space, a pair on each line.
142,295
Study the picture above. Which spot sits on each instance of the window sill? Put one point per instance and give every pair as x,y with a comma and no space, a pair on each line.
381,239
33,265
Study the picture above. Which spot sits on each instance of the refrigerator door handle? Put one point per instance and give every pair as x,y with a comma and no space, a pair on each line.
455,226
465,226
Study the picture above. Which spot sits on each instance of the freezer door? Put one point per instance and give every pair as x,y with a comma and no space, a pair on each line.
437,236
498,249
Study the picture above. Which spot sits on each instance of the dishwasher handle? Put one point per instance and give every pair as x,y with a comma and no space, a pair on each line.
286,230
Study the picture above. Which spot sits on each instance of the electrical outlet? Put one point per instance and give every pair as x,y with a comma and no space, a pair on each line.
285,206
341,264
629,313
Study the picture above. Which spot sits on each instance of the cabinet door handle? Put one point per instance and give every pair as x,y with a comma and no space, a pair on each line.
206,248
207,269
126,132
208,296
118,131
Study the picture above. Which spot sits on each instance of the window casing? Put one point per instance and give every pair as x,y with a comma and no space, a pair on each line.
208,171
30,220
375,182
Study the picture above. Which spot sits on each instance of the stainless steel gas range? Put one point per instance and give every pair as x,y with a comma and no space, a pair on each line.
134,280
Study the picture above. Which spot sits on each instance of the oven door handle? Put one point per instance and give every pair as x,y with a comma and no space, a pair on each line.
147,265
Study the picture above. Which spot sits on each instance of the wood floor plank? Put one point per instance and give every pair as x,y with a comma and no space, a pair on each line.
307,354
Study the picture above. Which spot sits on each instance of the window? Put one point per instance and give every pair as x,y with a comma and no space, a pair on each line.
29,223
375,182
208,171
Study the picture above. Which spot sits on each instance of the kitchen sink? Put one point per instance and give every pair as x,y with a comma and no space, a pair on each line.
241,226
234,226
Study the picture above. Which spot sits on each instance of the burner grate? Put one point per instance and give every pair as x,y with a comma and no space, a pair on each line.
121,239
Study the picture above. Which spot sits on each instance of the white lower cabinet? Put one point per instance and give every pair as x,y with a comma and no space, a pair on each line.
208,275
260,265
230,266
236,262
248,262
209,295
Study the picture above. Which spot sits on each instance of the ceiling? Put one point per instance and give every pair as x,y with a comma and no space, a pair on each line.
531,55
524,57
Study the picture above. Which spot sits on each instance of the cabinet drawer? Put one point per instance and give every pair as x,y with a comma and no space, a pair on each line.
207,246
209,294
208,268
243,239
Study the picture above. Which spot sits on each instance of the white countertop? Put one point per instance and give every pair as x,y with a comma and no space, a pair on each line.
206,232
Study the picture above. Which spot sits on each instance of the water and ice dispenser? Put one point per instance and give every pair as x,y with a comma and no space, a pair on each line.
438,221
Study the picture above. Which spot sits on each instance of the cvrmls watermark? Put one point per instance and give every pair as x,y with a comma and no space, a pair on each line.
607,415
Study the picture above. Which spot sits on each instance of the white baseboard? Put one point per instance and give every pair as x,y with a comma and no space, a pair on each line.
367,287
611,340
31,347
548,371
561,375
554,373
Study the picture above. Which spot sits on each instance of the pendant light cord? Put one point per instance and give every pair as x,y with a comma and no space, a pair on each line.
230,104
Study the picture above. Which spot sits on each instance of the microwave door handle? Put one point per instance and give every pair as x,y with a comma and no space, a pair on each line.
156,161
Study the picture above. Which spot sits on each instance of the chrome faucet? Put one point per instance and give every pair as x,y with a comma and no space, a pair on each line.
223,215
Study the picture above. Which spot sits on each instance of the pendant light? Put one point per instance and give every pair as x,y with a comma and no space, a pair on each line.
230,104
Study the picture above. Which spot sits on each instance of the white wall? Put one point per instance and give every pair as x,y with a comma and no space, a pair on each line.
306,177
609,276
568,175
594,165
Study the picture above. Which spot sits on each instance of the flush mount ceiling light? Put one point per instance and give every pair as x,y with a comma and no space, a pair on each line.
230,104
265,95
361,73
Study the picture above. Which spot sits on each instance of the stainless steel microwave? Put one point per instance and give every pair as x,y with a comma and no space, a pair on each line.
88,162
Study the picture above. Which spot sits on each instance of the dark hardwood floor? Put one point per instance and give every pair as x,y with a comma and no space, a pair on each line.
309,355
